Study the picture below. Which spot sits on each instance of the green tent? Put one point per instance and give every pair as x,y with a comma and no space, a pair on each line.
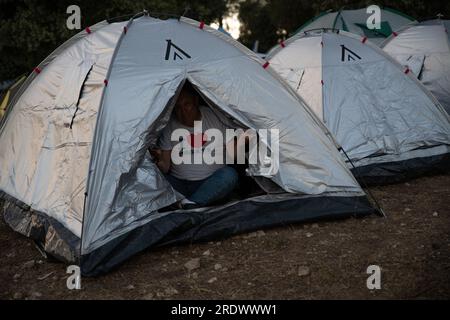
355,21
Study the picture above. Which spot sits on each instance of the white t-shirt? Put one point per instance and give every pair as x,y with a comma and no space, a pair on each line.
193,171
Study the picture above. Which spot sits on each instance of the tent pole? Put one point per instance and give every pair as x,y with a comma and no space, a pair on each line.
377,205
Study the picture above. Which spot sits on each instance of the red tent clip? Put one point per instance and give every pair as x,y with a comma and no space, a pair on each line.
37,70
105,82
321,43
265,65
202,24
407,70
364,40
394,34
125,29
282,44
88,30
321,81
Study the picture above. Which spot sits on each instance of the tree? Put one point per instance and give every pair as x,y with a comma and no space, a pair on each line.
270,21
31,29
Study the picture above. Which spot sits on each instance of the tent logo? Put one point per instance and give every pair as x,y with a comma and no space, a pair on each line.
348,55
178,53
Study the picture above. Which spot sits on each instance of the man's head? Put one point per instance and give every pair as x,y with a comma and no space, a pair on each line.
186,107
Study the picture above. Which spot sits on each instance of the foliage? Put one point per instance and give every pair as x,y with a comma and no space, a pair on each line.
31,29
270,21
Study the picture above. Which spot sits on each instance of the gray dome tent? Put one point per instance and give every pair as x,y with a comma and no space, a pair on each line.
74,170
390,126
355,21
425,49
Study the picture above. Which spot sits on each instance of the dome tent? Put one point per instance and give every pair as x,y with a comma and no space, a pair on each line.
425,49
388,124
74,170
355,21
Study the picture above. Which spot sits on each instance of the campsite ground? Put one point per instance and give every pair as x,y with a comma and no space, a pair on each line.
310,261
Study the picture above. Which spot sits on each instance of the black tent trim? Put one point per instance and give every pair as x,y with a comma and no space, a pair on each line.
217,223
399,171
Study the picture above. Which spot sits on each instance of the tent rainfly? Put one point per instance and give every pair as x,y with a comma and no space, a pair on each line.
388,124
425,49
355,21
75,173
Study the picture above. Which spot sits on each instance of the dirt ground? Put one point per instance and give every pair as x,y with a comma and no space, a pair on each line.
327,260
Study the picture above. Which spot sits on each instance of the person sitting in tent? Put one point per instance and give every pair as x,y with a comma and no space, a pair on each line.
202,184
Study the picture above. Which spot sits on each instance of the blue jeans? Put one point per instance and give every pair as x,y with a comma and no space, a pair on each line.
207,191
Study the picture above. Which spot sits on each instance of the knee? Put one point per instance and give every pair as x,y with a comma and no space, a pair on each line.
229,175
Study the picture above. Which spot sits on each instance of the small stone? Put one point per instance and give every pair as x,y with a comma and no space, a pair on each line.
29,264
407,209
36,294
224,269
212,280
206,253
435,214
18,296
192,264
309,234
130,287
45,276
170,291
402,224
17,276
260,233
315,225
217,266
148,296
303,271
194,275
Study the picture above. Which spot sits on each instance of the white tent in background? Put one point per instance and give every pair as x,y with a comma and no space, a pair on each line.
384,119
355,21
74,167
425,49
